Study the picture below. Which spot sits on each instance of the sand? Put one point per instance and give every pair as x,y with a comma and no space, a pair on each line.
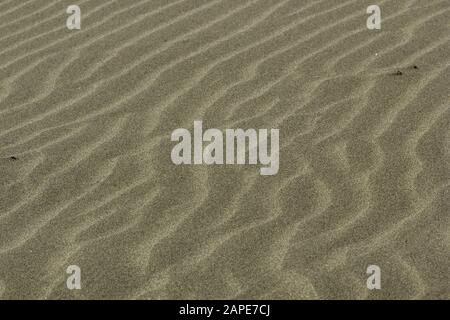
86,175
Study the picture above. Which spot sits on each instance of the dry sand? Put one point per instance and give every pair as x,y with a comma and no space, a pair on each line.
364,166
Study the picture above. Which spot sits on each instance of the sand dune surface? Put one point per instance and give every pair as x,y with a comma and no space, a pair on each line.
86,118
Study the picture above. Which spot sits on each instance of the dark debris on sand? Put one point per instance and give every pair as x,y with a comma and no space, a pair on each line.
400,73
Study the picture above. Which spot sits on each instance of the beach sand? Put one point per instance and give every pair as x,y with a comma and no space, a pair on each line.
85,140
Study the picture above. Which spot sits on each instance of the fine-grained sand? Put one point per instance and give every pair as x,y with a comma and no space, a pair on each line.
86,176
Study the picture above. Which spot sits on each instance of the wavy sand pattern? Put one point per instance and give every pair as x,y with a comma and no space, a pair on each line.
365,155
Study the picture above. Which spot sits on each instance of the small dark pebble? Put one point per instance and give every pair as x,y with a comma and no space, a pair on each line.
13,158
416,67
399,73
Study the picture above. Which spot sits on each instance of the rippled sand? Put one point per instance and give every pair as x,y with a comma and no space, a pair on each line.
364,166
